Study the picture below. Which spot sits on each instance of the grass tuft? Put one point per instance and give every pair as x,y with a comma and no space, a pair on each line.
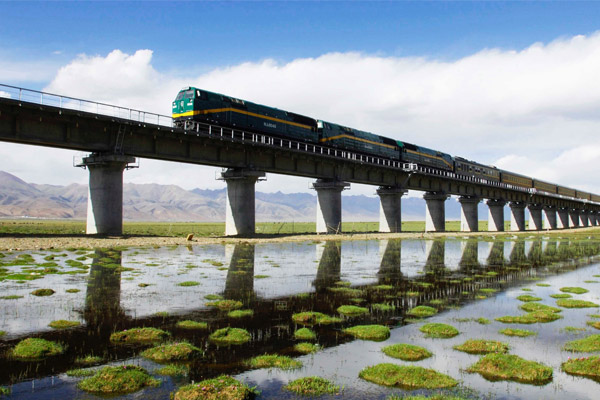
517,332
571,303
81,372
226,336
473,346
527,298
533,307
585,366
43,292
406,377
306,348
172,352
274,361
437,330
173,370
314,318
240,313
422,311
63,324
225,305
352,310
503,367
312,386
35,349
585,345
189,324
89,360
220,388
188,283
121,379
139,335
369,332
407,352
305,334
574,290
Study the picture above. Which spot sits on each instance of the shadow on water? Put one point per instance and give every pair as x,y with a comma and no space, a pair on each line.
391,279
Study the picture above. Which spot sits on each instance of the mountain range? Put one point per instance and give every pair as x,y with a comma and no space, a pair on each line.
154,202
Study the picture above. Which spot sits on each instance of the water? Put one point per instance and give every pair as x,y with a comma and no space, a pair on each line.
126,288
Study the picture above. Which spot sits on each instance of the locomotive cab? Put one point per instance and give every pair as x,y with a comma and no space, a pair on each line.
183,106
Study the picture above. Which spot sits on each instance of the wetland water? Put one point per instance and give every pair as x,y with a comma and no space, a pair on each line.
111,290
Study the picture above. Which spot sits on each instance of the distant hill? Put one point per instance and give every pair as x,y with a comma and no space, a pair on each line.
153,202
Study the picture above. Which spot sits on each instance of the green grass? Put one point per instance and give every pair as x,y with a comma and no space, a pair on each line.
533,307
382,307
346,291
543,284
189,324
585,345
173,370
188,283
139,335
72,290
585,366
407,352
314,318
227,336
438,330
117,380
594,324
482,321
530,318
369,332
35,348
574,290
526,298
406,377
213,297
221,388
352,310
181,351
561,296
89,360
11,297
571,303
305,334
225,305
573,329
517,332
479,346
422,311
274,361
4,391
510,367
240,313
312,386
63,324
81,372
306,348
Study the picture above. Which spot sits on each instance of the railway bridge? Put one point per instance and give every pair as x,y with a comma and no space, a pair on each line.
114,136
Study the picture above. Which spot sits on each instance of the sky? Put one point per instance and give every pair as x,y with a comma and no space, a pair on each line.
511,84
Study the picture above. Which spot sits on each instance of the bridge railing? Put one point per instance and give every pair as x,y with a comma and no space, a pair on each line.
71,103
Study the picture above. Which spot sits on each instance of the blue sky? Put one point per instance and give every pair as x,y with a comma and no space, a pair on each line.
515,84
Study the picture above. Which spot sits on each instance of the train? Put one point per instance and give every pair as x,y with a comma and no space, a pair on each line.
201,105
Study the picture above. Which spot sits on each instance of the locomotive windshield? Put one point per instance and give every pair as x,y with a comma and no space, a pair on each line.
187,94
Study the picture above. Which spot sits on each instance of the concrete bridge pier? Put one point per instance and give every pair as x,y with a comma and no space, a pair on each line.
390,211
573,218
469,215
593,218
105,192
549,217
435,215
562,220
240,217
535,217
496,215
329,205
517,213
584,219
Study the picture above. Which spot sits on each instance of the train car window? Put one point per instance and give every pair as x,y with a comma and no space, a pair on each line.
189,94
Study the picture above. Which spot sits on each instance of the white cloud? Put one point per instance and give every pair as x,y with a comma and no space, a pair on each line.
534,111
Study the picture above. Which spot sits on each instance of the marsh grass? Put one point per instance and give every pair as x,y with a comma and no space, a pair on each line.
369,332
274,361
561,296
225,305
406,377
213,297
116,380
227,336
188,283
352,311
305,334
181,351
584,366
533,307
81,372
527,298
220,388
543,284
240,313
312,386
573,329
422,311
585,345
439,330
35,349
571,303
189,324
73,290
63,324
139,335
510,367
573,289
480,346
11,297
530,318
383,307
43,292
594,324
517,332
306,348
407,352
89,360
346,291
314,318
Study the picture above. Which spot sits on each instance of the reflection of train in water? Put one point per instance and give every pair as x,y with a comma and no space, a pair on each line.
200,105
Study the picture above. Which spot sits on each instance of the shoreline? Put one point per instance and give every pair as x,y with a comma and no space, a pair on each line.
44,242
